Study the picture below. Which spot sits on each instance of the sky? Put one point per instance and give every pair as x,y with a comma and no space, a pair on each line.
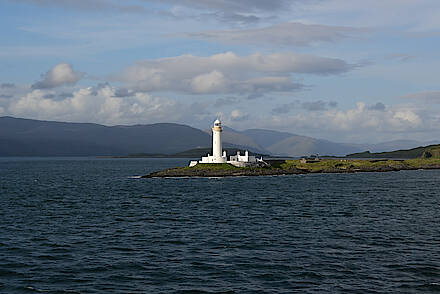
342,70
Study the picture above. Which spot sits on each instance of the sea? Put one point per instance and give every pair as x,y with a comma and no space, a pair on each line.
91,225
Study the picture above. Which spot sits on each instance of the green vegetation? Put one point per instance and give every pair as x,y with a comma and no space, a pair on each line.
329,165
423,163
344,165
432,152
282,167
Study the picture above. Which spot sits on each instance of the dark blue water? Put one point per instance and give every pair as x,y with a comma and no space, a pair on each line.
85,226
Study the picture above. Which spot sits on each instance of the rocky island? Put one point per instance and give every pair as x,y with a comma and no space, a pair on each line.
288,167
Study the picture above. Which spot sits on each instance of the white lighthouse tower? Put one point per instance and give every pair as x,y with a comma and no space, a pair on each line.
217,141
218,155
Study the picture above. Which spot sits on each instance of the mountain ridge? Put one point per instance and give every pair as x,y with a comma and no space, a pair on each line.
28,137
84,139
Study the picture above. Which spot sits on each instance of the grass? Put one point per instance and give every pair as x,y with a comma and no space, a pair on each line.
329,165
296,166
422,162
336,164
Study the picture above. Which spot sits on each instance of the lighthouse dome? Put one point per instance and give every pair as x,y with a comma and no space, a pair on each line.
217,123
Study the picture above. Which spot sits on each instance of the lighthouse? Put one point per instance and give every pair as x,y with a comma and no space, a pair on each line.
220,156
217,141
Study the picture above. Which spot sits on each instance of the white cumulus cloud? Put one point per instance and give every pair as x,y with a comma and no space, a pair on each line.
208,83
95,105
61,74
362,123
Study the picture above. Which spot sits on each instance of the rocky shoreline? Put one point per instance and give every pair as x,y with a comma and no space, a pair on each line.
291,168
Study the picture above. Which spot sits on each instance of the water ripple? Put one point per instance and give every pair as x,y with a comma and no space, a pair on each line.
89,226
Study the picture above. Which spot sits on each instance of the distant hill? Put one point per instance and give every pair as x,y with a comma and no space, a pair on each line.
287,144
426,152
26,137
266,138
301,145
239,140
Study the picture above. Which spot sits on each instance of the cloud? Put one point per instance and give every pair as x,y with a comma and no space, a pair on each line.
58,96
333,104
401,57
60,75
318,105
228,11
230,100
237,115
86,5
123,92
412,16
231,5
364,118
426,97
315,105
244,11
285,108
379,106
288,34
228,73
212,82
7,86
99,105
232,17
360,120
233,117
358,124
